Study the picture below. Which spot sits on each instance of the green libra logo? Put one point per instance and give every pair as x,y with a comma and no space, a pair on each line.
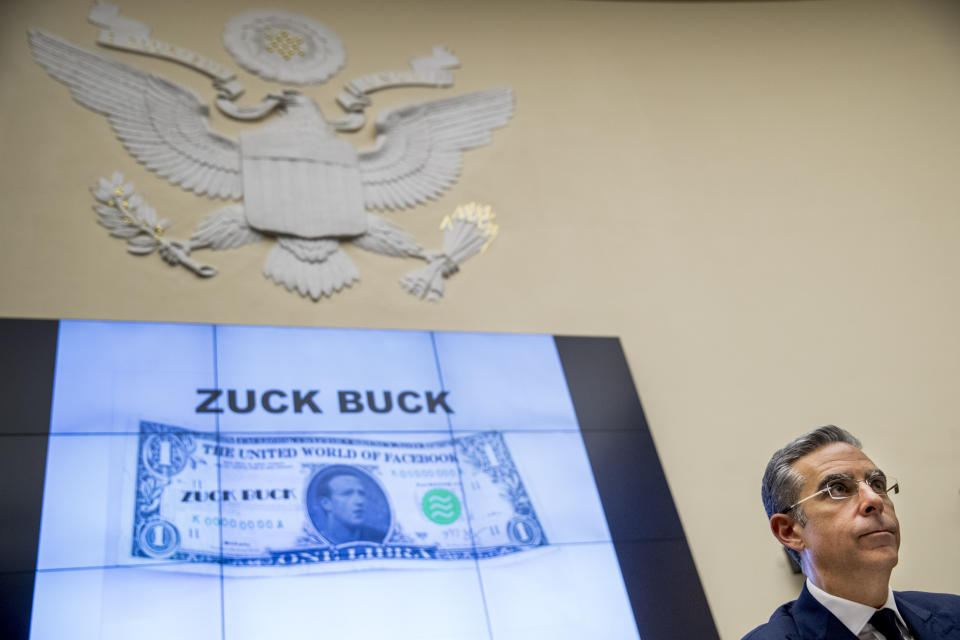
441,506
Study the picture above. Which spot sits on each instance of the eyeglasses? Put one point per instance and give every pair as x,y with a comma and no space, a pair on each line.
844,487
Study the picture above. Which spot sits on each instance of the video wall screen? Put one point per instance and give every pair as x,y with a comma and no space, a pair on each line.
238,482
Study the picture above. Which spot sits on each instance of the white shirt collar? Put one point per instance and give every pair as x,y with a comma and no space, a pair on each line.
853,615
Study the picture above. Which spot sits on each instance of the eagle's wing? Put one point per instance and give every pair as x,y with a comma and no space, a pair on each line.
163,125
419,147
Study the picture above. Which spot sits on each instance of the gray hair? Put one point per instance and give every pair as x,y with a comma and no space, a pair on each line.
781,483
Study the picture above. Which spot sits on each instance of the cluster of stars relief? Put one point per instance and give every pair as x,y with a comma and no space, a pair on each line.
284,44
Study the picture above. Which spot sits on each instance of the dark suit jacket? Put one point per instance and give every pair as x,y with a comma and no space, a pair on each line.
930,616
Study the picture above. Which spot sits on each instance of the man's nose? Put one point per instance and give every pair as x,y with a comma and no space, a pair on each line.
869,499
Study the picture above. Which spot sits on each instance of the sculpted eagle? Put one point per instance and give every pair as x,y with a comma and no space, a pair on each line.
299,183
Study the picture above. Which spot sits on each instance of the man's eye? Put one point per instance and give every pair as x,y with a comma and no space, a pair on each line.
878,484
840,489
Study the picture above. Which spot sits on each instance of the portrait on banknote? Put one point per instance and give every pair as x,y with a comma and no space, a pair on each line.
346,504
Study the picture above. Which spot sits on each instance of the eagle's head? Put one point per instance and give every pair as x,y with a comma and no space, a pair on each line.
304,110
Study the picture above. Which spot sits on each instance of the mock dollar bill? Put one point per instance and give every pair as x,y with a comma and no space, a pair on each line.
323,502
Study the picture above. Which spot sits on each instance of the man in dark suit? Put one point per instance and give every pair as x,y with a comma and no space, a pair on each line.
832,510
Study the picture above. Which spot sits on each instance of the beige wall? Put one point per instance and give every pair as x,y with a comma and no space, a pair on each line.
759,198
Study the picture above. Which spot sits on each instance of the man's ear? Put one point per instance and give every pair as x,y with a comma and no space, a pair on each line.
787,530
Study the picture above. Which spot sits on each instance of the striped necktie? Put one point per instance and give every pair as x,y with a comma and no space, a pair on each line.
885,621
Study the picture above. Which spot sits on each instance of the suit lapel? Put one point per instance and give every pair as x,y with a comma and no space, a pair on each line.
924,623
815,622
